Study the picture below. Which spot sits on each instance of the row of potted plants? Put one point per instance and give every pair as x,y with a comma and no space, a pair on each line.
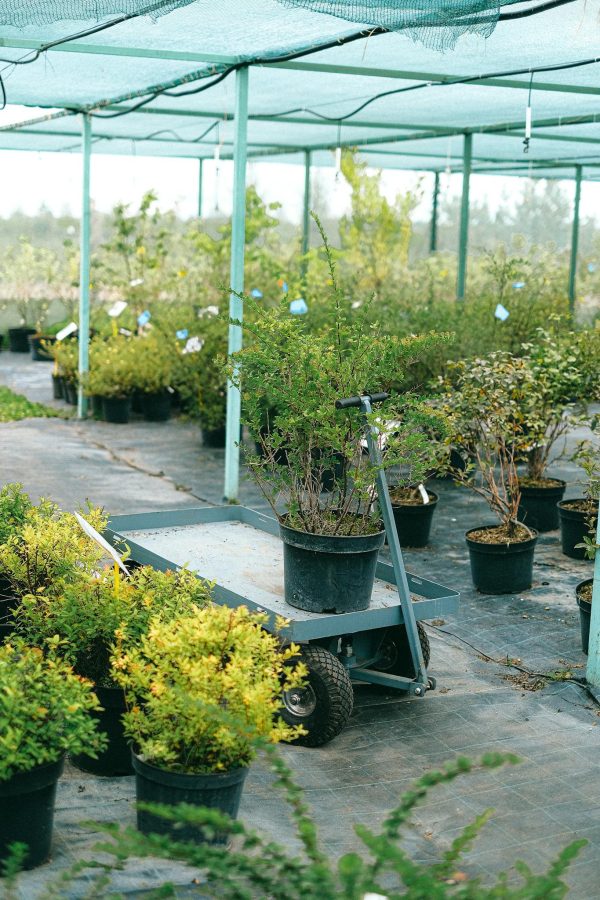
93,663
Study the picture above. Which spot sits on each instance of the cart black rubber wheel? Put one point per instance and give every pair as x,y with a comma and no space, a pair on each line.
396,652
324,705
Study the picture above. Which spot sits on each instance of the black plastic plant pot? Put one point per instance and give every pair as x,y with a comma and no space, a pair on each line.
137,400
27,804
39,352
116,759
217,790
116,409
538,509
57,387
585,612
97,407
156,407
413,523
70,391
327,573
574,526
213,437
501,568
1,341
18,339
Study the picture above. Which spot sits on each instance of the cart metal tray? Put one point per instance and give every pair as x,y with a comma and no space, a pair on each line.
239,550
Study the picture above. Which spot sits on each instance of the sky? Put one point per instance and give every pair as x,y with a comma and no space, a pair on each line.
31,179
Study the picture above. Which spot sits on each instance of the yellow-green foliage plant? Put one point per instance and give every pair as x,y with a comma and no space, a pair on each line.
51,550
83,622
201,690
44,710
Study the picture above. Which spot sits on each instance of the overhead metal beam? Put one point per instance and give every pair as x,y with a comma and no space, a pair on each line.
84,268
433,77
463,243
574,241
114,50
236,308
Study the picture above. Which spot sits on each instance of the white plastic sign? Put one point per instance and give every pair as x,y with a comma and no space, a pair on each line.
102,542
71,328
193,345
117,308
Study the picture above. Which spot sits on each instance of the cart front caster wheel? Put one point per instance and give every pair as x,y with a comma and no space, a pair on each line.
395,652
323,706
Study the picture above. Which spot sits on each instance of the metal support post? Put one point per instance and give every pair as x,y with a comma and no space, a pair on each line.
574,241
200,185
464,219
434,214
236,311
593,661
84,267
306,208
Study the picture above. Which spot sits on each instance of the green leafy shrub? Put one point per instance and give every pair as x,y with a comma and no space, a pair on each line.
14,506
290,378
486,417
44,711
83,621
51,550
202,689
14,407
258,867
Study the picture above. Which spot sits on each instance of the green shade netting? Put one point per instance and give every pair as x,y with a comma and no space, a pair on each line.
436,23
21,13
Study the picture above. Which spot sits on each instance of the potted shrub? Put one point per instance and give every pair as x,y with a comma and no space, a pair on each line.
66,368
413,504
331,538
27,273
112,376
485,413
201,691
83,622
50,550
554,404
44,713
153,375
578,516
14,506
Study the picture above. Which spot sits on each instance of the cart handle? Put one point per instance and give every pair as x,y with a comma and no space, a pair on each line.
356,401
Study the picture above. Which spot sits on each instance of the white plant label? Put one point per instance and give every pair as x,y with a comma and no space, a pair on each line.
102,542
71,328
424,494
501,313
117,308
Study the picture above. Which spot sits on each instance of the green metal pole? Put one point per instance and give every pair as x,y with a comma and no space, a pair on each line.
84,267
574,241
306,209
434,214
238,236
200,174
593,661
464,219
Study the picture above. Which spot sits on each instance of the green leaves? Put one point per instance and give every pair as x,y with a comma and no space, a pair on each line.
14,407
44,710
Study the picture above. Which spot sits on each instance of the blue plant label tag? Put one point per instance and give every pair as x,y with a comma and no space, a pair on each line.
518,285
143,318
501,313
298,307
256,293
181,334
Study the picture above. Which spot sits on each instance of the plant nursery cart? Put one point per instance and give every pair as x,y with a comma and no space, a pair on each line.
239,550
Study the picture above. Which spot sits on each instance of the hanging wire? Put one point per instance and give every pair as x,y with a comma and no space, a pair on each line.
528,118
